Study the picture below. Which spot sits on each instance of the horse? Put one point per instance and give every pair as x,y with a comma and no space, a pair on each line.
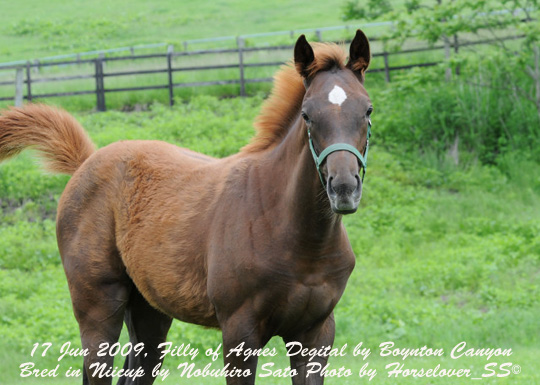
252,244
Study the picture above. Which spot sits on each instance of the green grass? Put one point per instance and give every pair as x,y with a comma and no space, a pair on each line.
444,254
33,29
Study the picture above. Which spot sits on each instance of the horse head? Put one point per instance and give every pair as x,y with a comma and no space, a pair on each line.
336,110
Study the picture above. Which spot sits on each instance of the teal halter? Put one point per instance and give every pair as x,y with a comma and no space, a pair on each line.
319,159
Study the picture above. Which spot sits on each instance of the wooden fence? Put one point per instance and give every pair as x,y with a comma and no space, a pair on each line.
24,80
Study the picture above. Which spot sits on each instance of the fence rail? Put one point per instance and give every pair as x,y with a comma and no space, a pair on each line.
79,55
25,80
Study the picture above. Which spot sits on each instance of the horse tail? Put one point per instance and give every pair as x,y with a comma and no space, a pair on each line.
61,141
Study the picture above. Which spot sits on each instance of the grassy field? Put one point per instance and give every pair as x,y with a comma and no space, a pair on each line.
444,255
33,29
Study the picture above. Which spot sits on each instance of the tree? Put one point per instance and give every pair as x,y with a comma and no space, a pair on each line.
514,63
438,20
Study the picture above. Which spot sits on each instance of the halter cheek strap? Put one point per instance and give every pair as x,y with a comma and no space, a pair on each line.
319,159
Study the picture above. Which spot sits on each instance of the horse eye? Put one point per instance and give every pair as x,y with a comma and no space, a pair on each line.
369,111
305,117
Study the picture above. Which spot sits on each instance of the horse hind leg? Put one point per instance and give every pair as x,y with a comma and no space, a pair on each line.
102,302
99,309
99,285
148,327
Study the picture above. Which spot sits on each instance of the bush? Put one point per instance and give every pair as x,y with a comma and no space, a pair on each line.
476,114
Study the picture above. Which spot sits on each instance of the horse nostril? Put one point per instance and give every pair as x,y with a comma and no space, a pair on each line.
358,182
330,187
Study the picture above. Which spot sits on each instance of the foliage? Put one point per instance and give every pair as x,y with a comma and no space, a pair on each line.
492,107
371,10
420,114
432,20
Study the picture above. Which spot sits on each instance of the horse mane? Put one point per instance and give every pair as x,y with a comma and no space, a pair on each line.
281,109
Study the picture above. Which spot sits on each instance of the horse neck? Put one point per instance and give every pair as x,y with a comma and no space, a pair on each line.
290,171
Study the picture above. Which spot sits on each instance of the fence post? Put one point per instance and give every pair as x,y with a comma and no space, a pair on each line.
101,56
100,91
19,85
386,67
448,70
319,34
456,51
240,43
170,74
37,66
28,83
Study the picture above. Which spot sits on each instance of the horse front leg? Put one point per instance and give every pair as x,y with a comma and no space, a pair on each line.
319,336
241,335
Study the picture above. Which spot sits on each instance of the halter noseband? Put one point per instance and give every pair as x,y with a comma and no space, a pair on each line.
319,159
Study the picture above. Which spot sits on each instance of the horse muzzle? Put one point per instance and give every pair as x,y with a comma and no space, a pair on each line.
344,193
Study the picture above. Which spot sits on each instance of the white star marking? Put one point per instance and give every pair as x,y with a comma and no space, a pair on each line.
337,96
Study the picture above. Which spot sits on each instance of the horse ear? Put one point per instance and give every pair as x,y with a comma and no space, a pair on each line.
359,55
303,56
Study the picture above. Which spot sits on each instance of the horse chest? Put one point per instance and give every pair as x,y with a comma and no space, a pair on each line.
309,302
306,298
